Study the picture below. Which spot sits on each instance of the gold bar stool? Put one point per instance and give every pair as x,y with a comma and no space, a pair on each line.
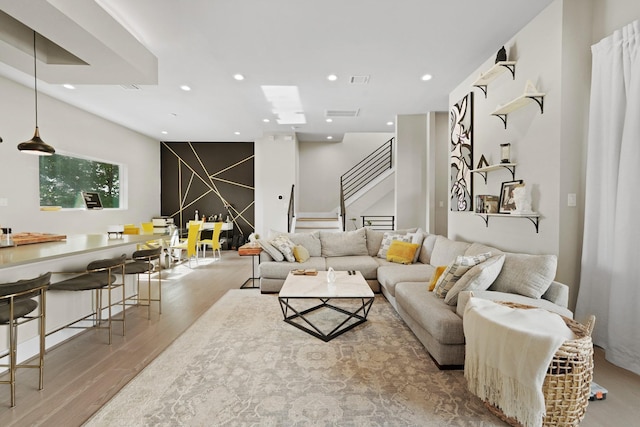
99,276
16,305
142,261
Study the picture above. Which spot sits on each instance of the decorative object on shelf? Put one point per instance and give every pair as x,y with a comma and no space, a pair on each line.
522,199
482,163
461,147
36,145
486,203
505,152
530,94
502,55
507,202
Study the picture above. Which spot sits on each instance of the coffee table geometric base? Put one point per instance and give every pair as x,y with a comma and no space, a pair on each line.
301,319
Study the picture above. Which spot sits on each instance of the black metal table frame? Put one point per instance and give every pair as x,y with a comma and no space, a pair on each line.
253,277
365,306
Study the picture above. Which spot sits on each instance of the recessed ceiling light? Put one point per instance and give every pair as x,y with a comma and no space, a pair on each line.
238,77
185,88
266,120
426,77
332,77
164,132
329,120
237,133
389,123
329,137
68,86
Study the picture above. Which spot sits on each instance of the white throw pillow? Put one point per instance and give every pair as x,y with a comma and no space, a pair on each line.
477,278
284,245
456,270
273,252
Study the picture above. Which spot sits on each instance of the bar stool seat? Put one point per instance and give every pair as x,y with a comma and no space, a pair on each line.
16,305
100,275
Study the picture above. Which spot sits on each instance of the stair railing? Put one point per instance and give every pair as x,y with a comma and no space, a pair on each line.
290,211
365,171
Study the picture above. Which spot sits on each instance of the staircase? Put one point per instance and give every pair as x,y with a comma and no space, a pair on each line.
310,222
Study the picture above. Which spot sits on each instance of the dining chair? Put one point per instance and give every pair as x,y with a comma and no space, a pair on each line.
143,261
190,245
213,242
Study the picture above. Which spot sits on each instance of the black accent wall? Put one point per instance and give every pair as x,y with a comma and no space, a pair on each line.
213,177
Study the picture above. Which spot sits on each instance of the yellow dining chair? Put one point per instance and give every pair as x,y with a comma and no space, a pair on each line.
214,241
191,244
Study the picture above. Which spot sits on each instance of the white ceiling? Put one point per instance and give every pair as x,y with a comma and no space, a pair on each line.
159,45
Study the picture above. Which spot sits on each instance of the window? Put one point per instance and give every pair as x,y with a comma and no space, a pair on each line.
63,178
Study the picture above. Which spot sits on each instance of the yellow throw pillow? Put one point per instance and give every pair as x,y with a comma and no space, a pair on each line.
436,276
300,253
402,252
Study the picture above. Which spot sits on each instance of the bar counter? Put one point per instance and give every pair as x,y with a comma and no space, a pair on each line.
73,245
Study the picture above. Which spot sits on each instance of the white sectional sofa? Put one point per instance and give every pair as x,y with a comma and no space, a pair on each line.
436,321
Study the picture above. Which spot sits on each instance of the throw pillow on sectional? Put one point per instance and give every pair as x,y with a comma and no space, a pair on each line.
389,237
436,275
402,252
417,237
300,253
271,250
477,278
284,245
456,270
525,274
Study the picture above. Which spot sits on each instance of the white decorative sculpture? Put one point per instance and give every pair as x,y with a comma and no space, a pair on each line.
522,200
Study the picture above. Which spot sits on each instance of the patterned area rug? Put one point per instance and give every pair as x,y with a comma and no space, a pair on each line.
241,364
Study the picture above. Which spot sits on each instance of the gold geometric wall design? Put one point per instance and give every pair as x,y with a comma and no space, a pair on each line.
211,177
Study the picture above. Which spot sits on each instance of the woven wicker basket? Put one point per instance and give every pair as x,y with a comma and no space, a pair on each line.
567,384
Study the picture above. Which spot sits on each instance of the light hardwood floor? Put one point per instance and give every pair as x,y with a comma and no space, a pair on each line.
83,373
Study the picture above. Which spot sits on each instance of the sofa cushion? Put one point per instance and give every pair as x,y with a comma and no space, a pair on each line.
391,274
439,319
362,263
427,248
271,250
455,271
345,243
478,278
374,239
280,270
402,252
389,237
524,274
479,248
446,250
284,245
300,253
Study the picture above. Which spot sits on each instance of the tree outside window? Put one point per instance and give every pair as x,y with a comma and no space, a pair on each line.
63,178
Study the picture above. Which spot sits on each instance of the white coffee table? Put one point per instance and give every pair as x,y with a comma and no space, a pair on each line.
347,287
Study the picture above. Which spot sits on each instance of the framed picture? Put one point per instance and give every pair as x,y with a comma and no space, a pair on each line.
461,154
507,204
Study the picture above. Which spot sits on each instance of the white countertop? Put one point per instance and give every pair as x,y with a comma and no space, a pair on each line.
74,244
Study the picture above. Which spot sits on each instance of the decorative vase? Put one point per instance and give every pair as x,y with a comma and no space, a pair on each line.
331,276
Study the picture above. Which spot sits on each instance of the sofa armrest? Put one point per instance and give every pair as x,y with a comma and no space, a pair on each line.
558,293
265,257
463,299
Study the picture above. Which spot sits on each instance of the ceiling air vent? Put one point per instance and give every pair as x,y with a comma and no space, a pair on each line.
341,113
130,87
359,80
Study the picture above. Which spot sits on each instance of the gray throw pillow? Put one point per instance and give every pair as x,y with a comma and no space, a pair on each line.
268,248
524,274
477,278
284,245
344,243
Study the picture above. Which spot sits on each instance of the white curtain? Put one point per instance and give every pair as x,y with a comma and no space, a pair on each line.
610,278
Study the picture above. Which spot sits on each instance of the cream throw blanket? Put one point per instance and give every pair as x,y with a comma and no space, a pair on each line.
508,352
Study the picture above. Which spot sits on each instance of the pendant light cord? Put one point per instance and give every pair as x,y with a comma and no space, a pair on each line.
35,75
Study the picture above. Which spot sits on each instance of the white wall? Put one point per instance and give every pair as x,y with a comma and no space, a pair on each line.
322,164
548,148
611,15
411,170
441,135
74,131
276,170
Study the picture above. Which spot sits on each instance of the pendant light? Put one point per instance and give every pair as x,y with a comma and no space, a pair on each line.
36,145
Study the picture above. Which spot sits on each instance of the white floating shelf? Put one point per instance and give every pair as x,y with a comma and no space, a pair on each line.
492,73
521,101
511,167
